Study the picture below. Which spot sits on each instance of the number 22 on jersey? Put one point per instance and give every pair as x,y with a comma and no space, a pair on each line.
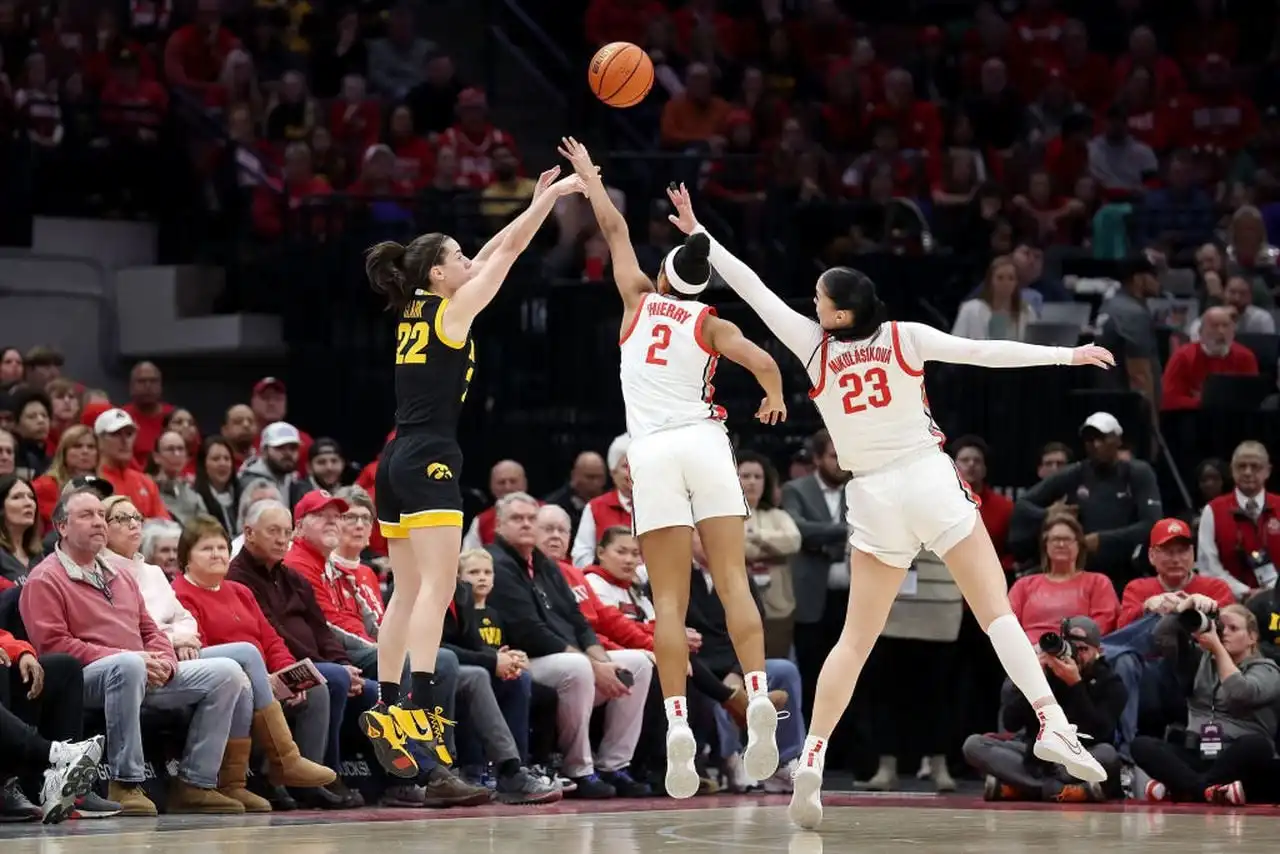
411,342
873,381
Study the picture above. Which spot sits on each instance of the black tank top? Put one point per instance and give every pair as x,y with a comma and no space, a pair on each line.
432,372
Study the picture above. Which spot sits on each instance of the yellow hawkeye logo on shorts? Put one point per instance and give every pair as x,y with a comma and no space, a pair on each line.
439,471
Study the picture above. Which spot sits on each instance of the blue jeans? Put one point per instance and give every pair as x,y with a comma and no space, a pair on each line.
1128,650
257,694
514,697
118,685
781,673
338,681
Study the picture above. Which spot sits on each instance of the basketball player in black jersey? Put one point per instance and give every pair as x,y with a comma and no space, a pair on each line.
436,293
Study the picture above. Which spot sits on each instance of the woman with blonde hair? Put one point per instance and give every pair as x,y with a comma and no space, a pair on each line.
1229,741
76,456
998,312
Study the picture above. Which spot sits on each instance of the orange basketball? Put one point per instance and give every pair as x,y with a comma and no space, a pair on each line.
620,74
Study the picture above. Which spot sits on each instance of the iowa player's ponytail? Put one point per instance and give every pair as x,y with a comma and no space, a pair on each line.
395,271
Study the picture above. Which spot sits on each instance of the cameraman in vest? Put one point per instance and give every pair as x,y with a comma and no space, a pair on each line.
1240,531
1117,501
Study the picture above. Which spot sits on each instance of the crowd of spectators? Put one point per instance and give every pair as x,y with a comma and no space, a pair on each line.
169,569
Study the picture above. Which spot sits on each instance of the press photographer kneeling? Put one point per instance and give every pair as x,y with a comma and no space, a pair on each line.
1228,744
1092,697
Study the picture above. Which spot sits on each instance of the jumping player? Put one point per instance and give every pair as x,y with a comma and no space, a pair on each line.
436,293
683,470
905,493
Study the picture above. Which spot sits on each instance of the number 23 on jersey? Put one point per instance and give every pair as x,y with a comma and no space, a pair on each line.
874,382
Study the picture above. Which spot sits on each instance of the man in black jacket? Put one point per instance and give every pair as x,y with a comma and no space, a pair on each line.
1091,694
484,719
542,618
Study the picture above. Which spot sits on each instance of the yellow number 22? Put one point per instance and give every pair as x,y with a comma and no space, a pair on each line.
411,340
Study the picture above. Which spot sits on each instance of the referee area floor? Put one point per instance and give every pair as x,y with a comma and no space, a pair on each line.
854,822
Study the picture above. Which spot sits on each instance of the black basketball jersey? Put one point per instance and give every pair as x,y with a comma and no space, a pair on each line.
432,372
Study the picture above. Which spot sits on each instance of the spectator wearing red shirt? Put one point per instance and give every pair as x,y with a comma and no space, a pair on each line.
1172,553
1208,30
1144,52
473,138
1151,121
620,20
415,158
970,454
703,15
195,53
276,202
1217,117
132,104
824,32
1038,30
387,196
1063,589
506,477
1088,74
918,122
117,435
354,118
1237,529
1215,353
145,407
105,45
697,116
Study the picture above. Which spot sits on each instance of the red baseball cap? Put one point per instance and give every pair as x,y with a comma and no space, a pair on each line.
1168,530
267,383
317,501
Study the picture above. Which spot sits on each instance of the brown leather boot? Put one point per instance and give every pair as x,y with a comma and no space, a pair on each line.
132,799
285,765
736,705
186,798
234,771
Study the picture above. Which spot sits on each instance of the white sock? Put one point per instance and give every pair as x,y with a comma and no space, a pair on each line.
677,711
757,684
1019,660
814,754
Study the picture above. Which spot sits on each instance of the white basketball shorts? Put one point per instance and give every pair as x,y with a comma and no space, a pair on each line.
896,511
683,475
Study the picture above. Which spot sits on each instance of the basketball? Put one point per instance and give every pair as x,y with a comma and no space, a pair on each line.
620,74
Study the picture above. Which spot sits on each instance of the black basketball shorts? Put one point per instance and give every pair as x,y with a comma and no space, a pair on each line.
418,484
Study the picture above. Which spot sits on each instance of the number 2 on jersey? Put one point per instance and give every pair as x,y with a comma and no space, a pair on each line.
411,340
857,383
661,341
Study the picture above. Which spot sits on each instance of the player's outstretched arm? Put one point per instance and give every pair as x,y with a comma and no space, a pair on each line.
727,340
798,333
545,180
471,298
632,282
927,344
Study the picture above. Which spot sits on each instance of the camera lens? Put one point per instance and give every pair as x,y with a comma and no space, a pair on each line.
1051,643
1194,622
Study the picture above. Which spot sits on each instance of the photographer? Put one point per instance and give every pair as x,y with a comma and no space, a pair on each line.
1231,690
1092,697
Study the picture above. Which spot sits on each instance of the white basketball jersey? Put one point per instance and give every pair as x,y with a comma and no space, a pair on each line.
871,397
667,367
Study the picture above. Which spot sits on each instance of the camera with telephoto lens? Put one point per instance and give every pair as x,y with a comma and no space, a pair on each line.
1052,643
1195,622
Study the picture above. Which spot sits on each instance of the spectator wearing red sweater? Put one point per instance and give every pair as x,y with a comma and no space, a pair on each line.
364,597
970,454
1217,117
474,138
1172,553
1144,52
506,477
1063,589
277,203
75,603
117,434
697,116
822,33
605,511
195,53
415,158
1151,121
105,45
1087,73
132,105
1215,353
354,118
146,408
620,20
918,122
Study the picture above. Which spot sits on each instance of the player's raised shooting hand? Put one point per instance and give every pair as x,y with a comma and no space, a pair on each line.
683,218
1092,354
578,156
545,180
772,411
568,186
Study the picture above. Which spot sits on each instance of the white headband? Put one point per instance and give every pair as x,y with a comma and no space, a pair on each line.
678,284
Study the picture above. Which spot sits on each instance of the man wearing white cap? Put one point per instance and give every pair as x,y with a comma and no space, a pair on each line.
1117,500
117,433
605,511
277,460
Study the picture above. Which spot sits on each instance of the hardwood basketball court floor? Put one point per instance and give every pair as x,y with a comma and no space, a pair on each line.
853,823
